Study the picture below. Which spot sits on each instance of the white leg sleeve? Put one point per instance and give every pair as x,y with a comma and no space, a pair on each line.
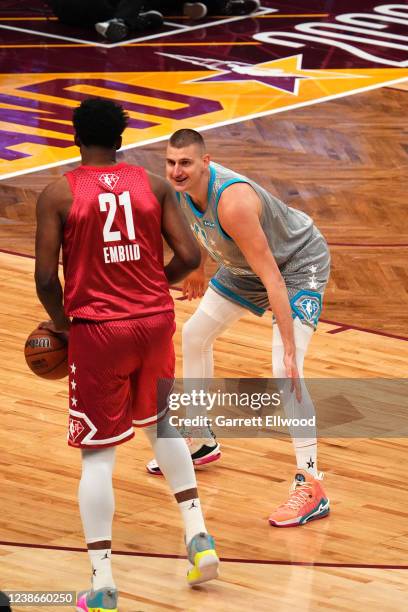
173,456
96,498
213,316
305,447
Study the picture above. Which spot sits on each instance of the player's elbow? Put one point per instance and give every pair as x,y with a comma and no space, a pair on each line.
45,282
192,260
191,255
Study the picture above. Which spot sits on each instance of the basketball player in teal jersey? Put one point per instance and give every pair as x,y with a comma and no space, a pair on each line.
269,255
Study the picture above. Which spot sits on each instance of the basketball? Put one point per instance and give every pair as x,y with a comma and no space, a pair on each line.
46,354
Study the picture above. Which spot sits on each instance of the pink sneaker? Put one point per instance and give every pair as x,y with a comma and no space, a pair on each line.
307,502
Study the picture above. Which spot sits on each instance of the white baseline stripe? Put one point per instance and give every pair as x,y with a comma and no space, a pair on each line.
58,36
217,125
175,25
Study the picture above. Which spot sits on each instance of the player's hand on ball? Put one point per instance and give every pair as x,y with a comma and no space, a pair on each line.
52,327
194,285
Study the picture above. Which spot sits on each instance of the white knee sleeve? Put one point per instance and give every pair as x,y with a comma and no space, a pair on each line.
96,498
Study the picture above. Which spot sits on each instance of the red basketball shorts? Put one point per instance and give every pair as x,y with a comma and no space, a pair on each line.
114,368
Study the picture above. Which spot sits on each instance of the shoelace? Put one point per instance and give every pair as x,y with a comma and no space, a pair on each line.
298,496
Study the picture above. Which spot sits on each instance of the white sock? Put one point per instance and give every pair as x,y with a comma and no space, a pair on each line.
101,568
192,517
306,455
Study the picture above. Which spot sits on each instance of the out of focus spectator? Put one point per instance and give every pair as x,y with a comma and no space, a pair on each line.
113,19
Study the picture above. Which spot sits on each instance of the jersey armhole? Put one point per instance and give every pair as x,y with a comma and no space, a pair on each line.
71,179
217,199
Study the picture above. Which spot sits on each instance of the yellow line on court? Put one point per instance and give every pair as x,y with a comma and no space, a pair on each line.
180,44
28,19
180,17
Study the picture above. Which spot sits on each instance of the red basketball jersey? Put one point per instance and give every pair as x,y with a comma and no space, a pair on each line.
112,246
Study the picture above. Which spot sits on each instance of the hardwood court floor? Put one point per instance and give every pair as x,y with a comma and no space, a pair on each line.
364,478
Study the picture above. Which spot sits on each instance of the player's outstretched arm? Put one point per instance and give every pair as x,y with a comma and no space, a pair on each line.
47,247
176,232
239,211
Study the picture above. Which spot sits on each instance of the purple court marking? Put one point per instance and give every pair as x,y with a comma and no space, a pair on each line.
368,330
223,559
338,330
16,254
368,246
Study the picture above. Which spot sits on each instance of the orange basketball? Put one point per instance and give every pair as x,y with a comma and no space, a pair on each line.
46,354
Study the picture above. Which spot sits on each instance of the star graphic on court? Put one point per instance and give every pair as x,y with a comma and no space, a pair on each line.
310,463
74,401
73,368
283,74
73,384
312,283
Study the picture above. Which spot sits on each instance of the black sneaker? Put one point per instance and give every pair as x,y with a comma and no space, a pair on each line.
149,20
113,30
203,451
241,7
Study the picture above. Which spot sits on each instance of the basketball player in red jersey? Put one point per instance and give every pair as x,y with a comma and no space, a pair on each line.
109,218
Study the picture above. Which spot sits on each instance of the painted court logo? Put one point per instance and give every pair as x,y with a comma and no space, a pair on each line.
303,60
109,180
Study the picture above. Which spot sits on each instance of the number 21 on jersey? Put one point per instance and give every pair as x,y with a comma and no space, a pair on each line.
109,199
126,252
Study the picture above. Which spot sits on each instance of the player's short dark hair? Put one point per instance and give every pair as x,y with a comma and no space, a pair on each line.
185,138
100,123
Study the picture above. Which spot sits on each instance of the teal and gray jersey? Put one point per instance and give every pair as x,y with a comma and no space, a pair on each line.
299,249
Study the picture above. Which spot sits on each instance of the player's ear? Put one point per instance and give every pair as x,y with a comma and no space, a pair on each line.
206,160
77,141
118,143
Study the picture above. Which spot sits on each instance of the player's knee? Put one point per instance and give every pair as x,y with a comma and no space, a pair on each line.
192,339
101,460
